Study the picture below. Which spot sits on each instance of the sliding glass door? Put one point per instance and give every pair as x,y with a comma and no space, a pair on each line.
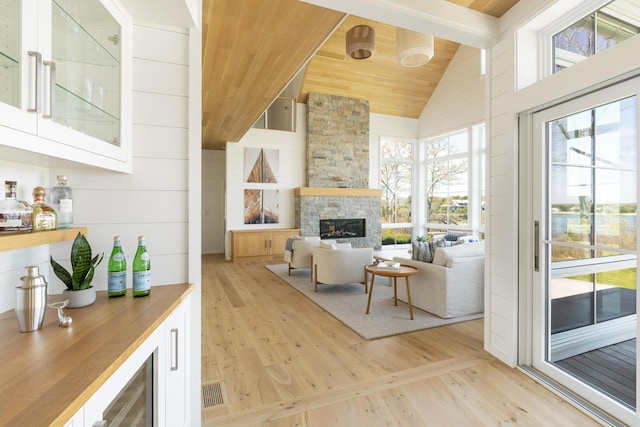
584,281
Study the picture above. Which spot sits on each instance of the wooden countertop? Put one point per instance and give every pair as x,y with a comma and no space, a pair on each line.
47,375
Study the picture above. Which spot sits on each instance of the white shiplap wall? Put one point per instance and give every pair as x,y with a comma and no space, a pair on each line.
213,189
501,266
459,99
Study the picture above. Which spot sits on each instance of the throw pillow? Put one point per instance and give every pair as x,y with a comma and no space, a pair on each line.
421,252
327,245
441,243
442,255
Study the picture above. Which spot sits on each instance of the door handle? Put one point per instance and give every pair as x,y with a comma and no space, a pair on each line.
34,78
174,349
536,246
48,113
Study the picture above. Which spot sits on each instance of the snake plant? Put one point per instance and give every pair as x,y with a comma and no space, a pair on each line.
82,265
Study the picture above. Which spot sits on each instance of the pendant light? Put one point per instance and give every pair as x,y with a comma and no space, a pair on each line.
361,42
413,49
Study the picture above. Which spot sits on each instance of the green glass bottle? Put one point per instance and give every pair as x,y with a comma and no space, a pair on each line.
141,270
117,271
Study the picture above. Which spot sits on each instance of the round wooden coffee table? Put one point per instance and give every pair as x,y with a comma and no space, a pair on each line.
404,271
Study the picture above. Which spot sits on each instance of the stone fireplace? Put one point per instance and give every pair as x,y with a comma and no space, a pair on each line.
338,169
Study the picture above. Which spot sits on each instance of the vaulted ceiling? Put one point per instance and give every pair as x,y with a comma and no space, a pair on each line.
252,49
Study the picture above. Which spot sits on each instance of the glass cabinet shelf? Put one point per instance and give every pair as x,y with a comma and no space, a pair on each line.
94,45
10,52
86,54
8,61
83,115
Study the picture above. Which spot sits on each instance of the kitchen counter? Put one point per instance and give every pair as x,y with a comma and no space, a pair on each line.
49,374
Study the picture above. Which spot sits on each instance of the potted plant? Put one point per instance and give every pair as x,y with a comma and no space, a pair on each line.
79,291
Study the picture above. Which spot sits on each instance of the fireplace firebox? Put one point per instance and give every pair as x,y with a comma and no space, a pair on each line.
342,228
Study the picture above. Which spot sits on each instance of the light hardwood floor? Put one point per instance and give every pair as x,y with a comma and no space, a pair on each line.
282,361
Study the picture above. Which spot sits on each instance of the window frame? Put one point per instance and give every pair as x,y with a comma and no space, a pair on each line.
566,18
475,156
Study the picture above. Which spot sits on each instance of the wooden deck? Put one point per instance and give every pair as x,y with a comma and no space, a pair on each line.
611,369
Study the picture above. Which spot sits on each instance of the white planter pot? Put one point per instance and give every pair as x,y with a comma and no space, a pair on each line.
81,298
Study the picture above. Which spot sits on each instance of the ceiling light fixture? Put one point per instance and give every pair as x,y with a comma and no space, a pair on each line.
361,42
413,49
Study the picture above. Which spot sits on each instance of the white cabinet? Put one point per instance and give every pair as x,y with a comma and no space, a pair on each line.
153,382
65,76
177,390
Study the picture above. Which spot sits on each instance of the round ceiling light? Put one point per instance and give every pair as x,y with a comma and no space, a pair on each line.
361,42
413,49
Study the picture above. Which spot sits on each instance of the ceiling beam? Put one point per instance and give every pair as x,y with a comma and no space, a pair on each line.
437,17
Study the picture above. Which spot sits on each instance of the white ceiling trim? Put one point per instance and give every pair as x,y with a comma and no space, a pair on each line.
438,17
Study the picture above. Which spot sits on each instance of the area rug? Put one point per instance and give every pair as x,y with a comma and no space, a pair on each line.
348,304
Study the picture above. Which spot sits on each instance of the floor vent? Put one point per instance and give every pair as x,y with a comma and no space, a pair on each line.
212,395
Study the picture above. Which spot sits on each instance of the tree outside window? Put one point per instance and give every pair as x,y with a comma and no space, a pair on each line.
396,158
447,184
599,31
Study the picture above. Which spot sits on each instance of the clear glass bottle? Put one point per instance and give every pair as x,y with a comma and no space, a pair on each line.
44,216
141,270
62,202
117,271
15,215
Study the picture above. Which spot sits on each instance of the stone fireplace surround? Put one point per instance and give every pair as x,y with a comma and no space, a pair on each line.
314,204
338,169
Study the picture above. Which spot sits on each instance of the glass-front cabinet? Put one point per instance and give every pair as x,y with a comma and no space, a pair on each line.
64,80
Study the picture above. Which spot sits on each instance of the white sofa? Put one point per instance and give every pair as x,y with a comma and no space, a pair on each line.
450,286
341,266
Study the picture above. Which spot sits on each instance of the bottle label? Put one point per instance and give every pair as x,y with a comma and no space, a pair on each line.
145,256
46,221
9,222
66,206
116,281
118,257
141,280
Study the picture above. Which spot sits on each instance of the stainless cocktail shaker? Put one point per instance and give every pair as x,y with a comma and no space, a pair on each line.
31,300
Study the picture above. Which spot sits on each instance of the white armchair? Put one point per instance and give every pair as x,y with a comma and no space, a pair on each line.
341,266
302,250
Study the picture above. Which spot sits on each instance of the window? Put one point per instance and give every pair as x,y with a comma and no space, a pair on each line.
447,183
599,31
396,160
454,181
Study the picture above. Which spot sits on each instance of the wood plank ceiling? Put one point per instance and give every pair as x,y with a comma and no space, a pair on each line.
253,48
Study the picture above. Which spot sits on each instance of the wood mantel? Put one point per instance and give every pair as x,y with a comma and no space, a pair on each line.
342,192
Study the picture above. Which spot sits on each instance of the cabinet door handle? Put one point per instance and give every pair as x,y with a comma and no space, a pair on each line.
48,112
174,349
34,78
536,245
